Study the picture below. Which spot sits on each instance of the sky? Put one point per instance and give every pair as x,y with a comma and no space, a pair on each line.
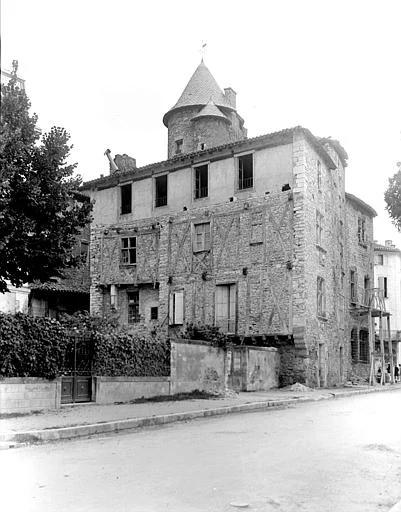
108,71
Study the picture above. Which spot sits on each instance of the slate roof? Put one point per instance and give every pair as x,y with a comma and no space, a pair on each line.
201,88
211,110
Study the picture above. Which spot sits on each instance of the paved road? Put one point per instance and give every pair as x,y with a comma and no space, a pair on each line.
339,455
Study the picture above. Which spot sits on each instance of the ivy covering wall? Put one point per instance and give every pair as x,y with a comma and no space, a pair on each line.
36,347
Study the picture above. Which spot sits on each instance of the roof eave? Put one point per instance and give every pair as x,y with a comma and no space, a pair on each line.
360,204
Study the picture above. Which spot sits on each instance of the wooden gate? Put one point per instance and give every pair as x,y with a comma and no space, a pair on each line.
236,369
76,382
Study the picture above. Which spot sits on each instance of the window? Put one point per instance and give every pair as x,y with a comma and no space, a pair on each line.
319,176
202,146
226,307
319,228
154,313
126,198
379,259
383,286
366,289
354,346
352,280
133,307
128,251
178,146
361,231
161,191
201,181
363,346
245,171
176,308
201,237
321,297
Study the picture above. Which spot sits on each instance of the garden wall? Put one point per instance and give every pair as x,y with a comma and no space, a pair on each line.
196,365
27,394
124,389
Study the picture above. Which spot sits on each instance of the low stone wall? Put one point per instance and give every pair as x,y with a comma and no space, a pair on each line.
124,389
262,368
196,365
27,394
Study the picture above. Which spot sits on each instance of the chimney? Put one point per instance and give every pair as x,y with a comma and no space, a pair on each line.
113,167
389,243
231,97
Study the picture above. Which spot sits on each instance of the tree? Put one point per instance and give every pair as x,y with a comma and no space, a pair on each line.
392,197
40,216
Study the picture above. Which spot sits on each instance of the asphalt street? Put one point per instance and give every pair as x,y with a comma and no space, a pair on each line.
336,455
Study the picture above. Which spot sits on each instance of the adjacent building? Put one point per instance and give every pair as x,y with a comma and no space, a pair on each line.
254,235
388,281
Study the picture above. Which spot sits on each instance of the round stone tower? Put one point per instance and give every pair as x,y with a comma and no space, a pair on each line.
203,117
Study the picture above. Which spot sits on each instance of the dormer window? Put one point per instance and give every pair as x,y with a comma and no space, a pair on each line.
202,146
178,146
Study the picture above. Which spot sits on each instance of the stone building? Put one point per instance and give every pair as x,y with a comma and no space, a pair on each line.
254,235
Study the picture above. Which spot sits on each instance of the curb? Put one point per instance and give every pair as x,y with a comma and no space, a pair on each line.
16,439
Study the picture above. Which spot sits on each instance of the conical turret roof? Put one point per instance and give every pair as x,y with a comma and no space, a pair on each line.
201,88
211,110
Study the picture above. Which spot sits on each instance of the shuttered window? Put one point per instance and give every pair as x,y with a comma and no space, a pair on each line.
176,308
202,237
226,310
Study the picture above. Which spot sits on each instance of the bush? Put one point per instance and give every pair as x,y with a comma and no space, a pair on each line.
31,347
209,333
37,347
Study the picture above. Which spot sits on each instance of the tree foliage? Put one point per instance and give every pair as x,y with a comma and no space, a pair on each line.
392,197
40,216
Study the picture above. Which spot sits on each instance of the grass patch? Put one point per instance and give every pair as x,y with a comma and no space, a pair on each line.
202,395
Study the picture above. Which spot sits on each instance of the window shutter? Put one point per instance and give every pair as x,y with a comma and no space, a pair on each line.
179,308
381,283
171,309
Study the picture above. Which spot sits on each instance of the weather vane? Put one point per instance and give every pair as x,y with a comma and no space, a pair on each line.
203,49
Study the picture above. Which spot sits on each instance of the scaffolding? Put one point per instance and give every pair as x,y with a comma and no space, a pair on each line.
370,302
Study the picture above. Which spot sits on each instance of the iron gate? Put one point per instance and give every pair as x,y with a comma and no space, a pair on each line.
76,381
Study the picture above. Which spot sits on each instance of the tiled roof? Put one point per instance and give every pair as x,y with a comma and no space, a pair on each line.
385,248
75,281
210,110
186,159
200,89
360,204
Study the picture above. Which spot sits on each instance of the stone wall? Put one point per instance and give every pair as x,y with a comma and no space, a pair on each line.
197,366
317,337
213,132
109,390
27,394
360,260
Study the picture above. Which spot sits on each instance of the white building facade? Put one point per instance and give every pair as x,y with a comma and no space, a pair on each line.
388,280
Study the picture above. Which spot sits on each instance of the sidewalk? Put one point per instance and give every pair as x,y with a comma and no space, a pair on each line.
87,419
